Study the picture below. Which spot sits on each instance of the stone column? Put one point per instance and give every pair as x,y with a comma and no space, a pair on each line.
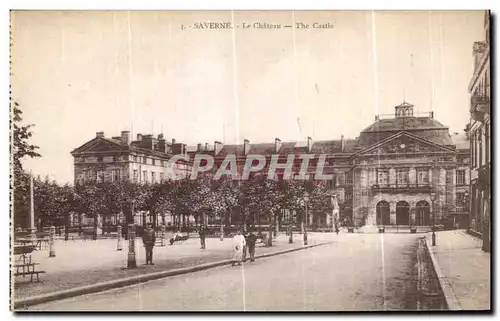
162,235
131,259
119,238
52,235
392,206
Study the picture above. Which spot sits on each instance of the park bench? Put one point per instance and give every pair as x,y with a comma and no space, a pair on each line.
23,261
178,238
88,234
31,274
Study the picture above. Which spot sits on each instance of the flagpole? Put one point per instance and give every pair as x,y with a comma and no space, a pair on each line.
32,207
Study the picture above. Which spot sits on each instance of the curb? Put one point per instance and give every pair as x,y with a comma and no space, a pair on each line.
137,279
448,292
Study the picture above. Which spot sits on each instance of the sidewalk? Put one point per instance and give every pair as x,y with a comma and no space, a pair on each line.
463,270
79,263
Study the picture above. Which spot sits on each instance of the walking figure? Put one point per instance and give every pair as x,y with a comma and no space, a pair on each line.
149,239
238,245
251,240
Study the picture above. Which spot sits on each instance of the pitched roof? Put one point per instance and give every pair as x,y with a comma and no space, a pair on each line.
424,127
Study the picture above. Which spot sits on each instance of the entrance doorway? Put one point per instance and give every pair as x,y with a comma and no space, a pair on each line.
402,213
383,213
423,214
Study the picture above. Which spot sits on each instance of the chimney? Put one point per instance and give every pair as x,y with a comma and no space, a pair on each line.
342,143
149,142
139,137
99,134
246,146
125,137
160,136
377,117
184,149
277,144
309,144
199,148
217,147
206,147
173,141
162,145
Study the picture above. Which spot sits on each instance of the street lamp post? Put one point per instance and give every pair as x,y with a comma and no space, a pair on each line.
304,221
433,195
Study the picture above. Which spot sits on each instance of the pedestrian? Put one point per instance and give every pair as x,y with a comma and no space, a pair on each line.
251,240
149,239
238,244
202,233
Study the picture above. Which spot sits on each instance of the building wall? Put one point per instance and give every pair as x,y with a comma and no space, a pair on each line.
441,181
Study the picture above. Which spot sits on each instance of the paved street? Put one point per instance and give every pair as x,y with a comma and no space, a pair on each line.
359,272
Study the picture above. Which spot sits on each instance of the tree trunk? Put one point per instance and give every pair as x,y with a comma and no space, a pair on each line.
94,237
270,234
155,219
277,225
66,228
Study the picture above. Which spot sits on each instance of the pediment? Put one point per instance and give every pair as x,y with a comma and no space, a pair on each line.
404,143
97,145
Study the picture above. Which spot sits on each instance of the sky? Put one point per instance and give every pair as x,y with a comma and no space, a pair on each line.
77,73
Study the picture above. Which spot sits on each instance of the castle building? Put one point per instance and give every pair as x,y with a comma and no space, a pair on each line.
405,171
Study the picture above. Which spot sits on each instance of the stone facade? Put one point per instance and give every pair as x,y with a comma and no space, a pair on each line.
118,158
479,131
398,166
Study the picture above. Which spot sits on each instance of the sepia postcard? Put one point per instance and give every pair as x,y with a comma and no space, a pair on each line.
235,160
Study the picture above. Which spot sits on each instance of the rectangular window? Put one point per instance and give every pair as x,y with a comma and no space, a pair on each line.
341,178
402,177
153,161
99,159
348,195
460,202
114,177
100,176
115,158
135,175
422,176
145,160
349,178
460,177
153,177
382,177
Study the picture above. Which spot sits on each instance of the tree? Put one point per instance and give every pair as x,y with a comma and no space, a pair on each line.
90,201
261,195
20,146
19,149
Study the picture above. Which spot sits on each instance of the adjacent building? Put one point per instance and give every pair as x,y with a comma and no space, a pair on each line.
143,160
479,132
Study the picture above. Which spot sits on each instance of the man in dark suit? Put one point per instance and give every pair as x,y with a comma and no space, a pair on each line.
149,239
